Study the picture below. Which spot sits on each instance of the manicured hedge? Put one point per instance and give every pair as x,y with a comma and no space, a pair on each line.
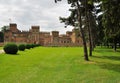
21,47
11,48
28,46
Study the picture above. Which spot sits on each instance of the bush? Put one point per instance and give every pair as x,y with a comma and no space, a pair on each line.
28,46
21,47
32,45
36,45
10,48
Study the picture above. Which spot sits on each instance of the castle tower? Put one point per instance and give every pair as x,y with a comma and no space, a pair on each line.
75,35
55,37
35,29
13,27
34,34
55,33
69,33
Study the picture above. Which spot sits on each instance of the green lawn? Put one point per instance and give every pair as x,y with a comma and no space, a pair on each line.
1,48
60,65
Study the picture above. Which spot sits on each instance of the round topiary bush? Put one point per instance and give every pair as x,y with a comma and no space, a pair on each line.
10,48
28,46
21,47
32,45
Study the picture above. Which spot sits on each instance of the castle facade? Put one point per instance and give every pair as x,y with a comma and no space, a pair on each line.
35,36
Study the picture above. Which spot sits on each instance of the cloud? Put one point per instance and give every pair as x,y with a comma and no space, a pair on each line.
25,13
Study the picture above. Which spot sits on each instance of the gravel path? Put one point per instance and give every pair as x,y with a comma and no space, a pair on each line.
1,51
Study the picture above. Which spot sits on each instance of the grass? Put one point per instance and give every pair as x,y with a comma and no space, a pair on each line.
60,65
1,48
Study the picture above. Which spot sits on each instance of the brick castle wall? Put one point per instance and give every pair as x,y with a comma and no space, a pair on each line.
34,35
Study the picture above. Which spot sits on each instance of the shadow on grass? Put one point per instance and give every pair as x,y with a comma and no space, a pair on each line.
106,50
108,57
109,66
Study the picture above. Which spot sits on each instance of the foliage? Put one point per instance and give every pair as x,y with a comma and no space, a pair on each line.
28,46
1,37
79,17
10,48
4,28
36,45
109,22
108,29
21,47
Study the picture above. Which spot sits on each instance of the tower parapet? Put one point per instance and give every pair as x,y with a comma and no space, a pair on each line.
69,33
35,29
55,33
13,27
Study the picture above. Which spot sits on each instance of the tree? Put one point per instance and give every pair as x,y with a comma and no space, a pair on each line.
4,28
111,21
108,30
76,18
88,14
1,37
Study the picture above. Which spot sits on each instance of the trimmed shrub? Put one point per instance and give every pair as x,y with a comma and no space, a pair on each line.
10,48
21,47
36,45
31,45
28,46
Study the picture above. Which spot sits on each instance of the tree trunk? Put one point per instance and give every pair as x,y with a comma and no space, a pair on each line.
119,44
89,33
87,17
115,45
93,44
82,33
90,44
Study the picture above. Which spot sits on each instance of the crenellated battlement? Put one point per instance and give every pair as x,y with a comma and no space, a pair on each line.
34,35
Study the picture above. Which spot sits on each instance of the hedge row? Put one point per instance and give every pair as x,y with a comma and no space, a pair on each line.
12,48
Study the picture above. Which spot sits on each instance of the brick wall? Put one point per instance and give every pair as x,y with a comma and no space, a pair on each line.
43,38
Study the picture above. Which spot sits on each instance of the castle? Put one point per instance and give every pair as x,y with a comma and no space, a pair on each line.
35,36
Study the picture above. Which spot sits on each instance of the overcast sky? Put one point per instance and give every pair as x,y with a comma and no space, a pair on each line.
26,13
